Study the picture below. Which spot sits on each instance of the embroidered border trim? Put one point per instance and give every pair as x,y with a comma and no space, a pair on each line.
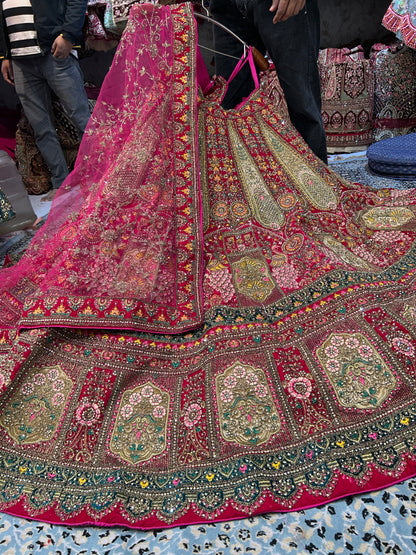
85,312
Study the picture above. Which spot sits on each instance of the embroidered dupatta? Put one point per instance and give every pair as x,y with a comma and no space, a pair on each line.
122,247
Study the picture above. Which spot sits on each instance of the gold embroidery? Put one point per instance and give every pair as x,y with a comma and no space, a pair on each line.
203,174
346,255
253,278
359,376
140,429
409,313
36,408
258,196
316,190
386,217
247,413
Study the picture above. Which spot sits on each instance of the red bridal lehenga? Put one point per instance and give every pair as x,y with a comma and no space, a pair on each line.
212,324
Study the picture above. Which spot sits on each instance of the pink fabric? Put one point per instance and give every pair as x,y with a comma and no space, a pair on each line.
130,245
8,125
202,72
400,18
241,63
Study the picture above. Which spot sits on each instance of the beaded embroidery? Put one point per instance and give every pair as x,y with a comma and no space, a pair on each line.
299,385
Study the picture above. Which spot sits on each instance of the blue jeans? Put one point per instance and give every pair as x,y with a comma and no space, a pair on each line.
293,46
34,79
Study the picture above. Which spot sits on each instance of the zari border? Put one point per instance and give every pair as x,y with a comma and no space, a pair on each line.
119,313
374,452
293,479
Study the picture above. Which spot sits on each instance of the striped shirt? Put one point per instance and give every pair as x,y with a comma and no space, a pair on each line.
18,15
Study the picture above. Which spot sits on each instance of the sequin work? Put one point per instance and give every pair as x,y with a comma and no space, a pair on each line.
298,387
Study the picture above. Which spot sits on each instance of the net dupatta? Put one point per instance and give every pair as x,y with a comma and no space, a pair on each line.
122,247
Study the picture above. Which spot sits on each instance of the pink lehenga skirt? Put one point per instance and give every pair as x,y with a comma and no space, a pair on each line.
400,18
212,324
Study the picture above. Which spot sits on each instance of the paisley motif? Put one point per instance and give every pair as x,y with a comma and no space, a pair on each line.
311,184
386,217
263,205
345,254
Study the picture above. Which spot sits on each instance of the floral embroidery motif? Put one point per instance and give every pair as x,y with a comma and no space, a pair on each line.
285,274
36,407
360,377
246,410
83,431
218,280
192,433
302,392
253,278
354,84
403,346
385,217
140,429
87,413
301,388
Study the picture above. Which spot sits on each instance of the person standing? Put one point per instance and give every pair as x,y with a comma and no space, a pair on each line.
37,42
289,31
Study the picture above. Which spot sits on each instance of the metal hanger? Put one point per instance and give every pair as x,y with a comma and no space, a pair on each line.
211,20
260,61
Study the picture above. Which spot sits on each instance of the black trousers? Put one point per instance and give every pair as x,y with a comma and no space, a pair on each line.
293,46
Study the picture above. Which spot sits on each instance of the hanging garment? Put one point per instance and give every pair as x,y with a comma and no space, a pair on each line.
347,87
212,324
394,90
401,19
96,36
32,167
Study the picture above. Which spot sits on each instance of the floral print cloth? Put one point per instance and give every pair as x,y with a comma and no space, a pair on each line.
369,524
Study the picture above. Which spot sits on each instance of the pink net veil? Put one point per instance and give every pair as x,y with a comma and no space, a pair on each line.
122,246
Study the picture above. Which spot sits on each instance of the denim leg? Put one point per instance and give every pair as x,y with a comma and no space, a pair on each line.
229,14
293,45
65,78
34,95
